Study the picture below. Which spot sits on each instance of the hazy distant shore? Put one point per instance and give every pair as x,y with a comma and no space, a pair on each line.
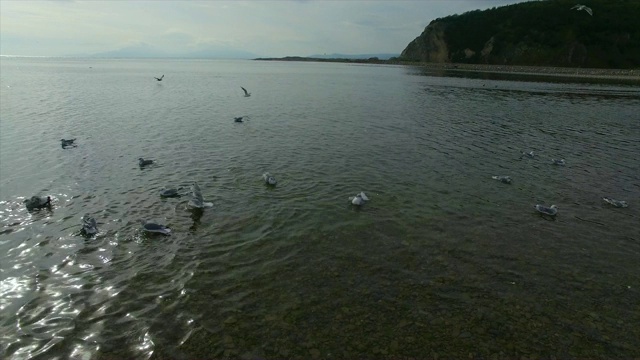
628,74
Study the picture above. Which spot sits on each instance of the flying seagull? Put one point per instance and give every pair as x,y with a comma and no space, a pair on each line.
160,78
583,7
246,93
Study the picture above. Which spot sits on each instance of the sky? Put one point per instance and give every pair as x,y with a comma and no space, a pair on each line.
235,28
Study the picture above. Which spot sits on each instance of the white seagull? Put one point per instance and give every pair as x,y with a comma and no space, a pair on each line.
359,199
269,179
583,7
196,198
502,179
551,210
616,203
529,154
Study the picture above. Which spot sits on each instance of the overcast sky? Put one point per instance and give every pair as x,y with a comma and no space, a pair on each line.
264,28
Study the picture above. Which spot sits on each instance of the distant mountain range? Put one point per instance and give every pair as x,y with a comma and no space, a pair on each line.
144,50
148,51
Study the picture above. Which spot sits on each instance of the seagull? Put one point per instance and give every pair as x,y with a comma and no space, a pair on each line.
160,78
142,162
37,202
583,7
166,193
89,226
156,228
529,154
67,143
269,179
359,199
502,179
196,198
246,93
238,119
558,162
616,203
551,210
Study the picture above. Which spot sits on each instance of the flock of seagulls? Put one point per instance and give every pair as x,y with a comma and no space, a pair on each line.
196,202
90,225
553,209
90,228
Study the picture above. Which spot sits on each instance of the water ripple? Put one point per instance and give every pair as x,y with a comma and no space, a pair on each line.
294,270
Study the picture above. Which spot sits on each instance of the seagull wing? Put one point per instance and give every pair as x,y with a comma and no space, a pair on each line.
575,7
589,10
197,194
245,90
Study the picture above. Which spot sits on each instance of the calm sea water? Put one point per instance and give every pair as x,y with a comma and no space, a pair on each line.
443,261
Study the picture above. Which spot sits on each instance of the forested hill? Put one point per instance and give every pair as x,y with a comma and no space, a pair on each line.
540,33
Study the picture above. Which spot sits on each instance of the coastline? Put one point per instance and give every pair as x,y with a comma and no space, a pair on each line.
622,74
632,75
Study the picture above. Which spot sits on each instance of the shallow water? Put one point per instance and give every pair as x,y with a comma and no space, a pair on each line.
443,261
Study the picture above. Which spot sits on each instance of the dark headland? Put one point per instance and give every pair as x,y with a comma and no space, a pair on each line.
536,37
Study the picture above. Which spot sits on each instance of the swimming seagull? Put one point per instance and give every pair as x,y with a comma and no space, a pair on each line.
167,193
583,7
156,228
502,179
616,203
196,198
68,143
160,78
89,226
37,202
529,154
238,119
551,210
142,162
359,199
246,93
269,179
558,162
